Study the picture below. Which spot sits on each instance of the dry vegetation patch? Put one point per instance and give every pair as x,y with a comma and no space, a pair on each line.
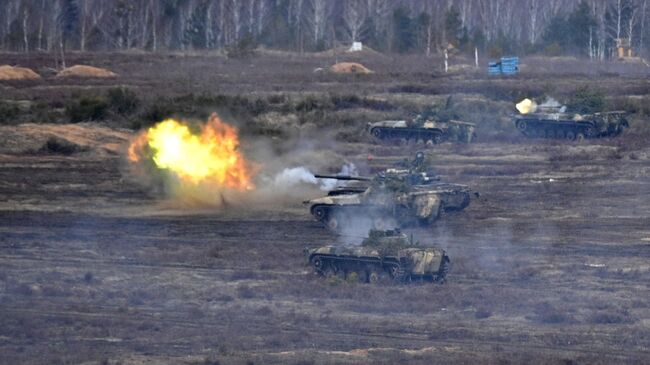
85,71
350,67
17,73
64,138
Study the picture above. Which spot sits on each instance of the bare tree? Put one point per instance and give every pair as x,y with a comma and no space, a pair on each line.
534,10
40,25
25,30
354,15
84,21
318,19
642,32
162,24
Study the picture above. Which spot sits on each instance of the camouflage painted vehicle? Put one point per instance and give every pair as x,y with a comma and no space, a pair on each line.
383,255
415,172
554,122
425,129
392,198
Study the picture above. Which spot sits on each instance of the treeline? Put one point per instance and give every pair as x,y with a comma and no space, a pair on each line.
590,28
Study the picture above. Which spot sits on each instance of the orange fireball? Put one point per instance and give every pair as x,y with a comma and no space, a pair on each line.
211,156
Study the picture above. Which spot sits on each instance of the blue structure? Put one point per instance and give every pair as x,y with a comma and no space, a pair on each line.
507,66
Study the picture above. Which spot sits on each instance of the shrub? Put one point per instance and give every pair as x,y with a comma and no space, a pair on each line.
159,110
244,48
211,361
610,318
586,101
345,101
60,146
87,108
88,277
548,314
123,101
8,112
311,103
43,112
553,49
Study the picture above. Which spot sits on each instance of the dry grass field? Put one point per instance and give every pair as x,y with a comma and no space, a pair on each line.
550,263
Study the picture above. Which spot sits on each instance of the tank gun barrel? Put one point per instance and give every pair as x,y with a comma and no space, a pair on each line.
343,177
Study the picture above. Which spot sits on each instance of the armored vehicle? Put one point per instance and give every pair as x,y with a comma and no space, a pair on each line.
392,197
432,125
423,128
554,122
383,255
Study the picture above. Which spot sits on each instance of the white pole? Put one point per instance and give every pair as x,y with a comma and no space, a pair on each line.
476,56
446,61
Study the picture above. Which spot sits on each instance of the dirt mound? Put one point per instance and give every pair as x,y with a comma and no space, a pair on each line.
65,139
85,71
350,67
17,73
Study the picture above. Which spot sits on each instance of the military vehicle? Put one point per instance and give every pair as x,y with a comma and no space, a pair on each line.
428,131
391,198
383,255
432,125
552,121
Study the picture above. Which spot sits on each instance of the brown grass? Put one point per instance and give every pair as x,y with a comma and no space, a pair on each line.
349,67
17,73
85,71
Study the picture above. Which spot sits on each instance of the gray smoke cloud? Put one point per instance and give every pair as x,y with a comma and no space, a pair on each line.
292,177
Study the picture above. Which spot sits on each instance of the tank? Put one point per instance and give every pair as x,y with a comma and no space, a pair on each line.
383,255
392,198
554,122
423,128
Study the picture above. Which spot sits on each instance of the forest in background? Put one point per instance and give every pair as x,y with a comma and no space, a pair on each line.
581,28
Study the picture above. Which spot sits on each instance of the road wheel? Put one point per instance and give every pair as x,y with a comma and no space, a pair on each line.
590,132
580,137
373,277
437,138
377,133
559,134
521,125
318,264
320,213
571,135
